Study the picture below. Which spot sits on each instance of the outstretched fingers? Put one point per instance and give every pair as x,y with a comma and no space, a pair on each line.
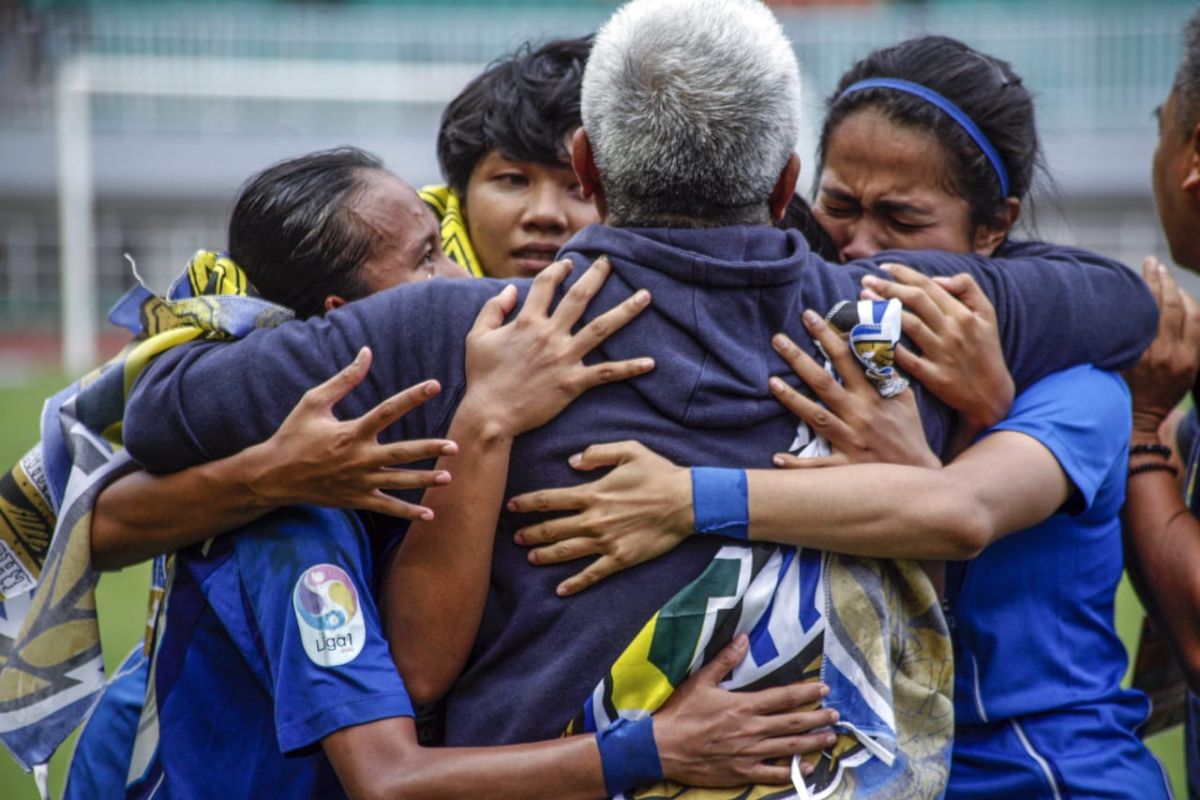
838,351
820,419
393,408
570,309
328,394
542,290
610,322
495,311
565,499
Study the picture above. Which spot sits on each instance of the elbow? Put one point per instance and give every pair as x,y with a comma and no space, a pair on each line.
1191,671
423,682
106,556
422,690
966,533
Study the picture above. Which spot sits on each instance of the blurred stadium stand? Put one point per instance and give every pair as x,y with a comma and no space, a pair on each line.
164,168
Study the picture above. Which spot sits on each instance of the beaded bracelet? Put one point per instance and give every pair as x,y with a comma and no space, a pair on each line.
1150,449
1153,466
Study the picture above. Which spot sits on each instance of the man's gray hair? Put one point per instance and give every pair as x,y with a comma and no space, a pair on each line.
1187,77
692,108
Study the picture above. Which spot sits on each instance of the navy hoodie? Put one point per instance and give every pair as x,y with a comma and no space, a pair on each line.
719,296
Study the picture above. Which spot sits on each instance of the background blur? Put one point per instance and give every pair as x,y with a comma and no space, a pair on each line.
131,125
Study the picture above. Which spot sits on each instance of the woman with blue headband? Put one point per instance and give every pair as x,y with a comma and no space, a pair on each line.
930,144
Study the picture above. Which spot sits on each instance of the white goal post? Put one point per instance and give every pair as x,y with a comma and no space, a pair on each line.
82,77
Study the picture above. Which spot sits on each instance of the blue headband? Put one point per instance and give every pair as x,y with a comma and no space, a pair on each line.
956,113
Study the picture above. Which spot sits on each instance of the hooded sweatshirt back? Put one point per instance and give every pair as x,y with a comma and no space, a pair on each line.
719,295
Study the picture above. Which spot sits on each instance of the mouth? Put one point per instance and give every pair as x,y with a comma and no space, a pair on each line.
535,257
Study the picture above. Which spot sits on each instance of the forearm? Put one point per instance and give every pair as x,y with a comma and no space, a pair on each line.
903,512
143,515
911,512
390,764
437,584
1162,546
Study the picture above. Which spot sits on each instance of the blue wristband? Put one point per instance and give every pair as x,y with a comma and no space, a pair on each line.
629,755
720,503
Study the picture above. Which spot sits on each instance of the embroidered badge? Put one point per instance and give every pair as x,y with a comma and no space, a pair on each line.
329,615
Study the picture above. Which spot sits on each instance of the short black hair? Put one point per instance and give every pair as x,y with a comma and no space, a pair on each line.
985,88
293,230
799,216
1187,77
523,105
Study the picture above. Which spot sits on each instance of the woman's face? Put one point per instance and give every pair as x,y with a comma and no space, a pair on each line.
519,213
885,187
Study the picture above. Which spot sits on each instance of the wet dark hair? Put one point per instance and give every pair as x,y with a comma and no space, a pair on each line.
524,105
799,216
985,88
294,232
1187,77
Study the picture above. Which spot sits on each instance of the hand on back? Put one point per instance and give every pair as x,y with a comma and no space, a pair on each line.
523,373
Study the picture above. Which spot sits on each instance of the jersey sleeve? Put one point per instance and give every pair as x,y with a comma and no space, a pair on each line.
1056,306
1082,416
303,616
209,400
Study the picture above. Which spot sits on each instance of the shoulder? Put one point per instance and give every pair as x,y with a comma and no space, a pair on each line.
1084,396
1082,416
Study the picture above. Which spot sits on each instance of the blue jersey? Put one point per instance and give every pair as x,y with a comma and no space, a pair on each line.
271,642
1038,703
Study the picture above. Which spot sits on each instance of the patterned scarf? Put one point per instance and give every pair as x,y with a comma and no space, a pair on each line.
870,629
456,244
51,666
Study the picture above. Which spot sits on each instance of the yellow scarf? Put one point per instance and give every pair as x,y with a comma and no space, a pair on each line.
456,243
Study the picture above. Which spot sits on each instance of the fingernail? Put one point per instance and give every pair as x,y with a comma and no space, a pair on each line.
829,739
646,364
575,460
362,353
871,281
780,342
561,591
1162,268
834,716
811,317
427,515
777,461
776,384
512,505
449,449
806,768
886,268
824,691
642,297
431,388
519,537
442,477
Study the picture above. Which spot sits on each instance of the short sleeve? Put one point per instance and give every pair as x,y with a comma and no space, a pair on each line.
1082,416
309,624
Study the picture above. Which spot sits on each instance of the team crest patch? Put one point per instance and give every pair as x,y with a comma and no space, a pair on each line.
329,615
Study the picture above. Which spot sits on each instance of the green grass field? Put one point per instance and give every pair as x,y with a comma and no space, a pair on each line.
121,598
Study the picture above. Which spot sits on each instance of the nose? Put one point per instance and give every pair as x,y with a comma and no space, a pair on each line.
863,243
546,209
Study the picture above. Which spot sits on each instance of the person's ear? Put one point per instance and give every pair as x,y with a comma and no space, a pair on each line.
1191,175
583,160
334,301
785,187
989,237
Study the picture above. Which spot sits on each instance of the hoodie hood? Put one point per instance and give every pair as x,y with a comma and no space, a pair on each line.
719,295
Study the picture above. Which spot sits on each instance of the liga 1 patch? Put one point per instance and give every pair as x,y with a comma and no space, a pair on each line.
329,615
